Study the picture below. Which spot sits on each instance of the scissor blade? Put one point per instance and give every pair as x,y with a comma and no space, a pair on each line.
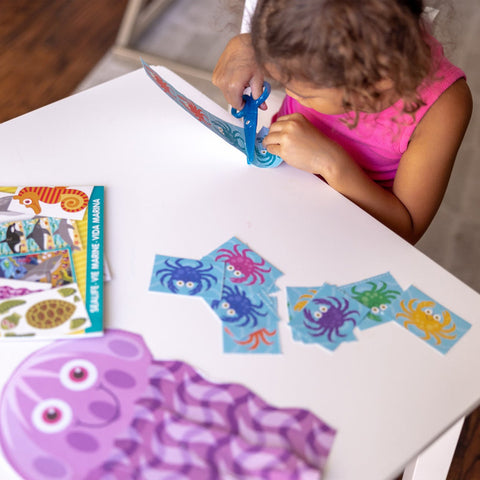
250,128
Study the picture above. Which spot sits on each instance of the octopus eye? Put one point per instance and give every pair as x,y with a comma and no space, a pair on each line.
375,310
318,314
179,283
225,305
323,309
428,311
231,312
190,284
437,317
230,268
78,374
237,273
383,306
52,415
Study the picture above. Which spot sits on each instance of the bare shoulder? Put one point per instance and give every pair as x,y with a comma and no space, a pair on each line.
450,113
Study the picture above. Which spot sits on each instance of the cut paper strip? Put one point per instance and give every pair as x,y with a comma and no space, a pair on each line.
232,133
16,288
60,202
50,314
245,266
52,266
429,320
104,408
328,318
377,293
187,276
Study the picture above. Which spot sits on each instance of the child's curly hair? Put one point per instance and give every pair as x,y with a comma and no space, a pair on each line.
350,44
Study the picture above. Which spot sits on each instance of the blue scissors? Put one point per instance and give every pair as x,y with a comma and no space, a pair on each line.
249,113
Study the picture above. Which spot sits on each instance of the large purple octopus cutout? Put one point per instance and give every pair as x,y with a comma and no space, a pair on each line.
103,408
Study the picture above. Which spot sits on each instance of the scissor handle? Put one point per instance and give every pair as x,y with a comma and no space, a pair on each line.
266,92
250,102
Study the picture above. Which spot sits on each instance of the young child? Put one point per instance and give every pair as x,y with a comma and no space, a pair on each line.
372,105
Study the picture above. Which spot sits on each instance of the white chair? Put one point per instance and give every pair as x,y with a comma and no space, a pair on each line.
138,16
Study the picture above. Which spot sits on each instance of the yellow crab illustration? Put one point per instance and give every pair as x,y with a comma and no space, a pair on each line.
423,318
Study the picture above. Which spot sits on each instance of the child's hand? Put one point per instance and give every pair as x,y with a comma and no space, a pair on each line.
301,145
237,69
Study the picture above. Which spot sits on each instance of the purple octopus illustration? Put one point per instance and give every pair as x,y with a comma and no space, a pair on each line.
328,319
103,408
186,276
235,307
242,267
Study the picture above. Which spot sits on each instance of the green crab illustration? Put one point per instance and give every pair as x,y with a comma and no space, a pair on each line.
377,298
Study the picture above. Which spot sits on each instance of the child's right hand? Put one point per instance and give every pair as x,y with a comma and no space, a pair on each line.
236,70
301,145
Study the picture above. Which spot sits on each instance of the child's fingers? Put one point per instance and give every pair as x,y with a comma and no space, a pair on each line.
272,142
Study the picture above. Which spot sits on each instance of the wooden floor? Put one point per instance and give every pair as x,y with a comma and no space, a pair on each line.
47,47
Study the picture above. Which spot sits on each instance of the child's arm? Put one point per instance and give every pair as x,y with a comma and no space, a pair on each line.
422,176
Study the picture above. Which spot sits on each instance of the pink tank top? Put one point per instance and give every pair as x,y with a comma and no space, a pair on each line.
379,140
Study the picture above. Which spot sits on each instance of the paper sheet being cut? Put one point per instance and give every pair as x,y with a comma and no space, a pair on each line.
211,115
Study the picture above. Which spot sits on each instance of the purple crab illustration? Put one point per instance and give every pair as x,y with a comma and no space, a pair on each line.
332,314
103,408
189,279
236,307
243,267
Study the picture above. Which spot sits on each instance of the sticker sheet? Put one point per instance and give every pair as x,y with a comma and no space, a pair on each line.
429,320
377,293
103,407
326,317
231,133
52,266
17,288
47,201
53,312
38,234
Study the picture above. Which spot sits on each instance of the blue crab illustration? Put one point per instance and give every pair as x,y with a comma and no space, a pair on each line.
193,278
329,318
235,307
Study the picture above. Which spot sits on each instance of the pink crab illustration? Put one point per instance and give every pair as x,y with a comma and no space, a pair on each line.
103,408
243,267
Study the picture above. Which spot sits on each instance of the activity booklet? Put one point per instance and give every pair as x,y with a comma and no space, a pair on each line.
51,262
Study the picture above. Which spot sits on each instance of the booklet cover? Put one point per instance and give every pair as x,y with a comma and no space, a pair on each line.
51,261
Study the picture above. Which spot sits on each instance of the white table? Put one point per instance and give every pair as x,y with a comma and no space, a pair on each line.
175,188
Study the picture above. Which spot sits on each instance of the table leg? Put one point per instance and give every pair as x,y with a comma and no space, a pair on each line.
434,461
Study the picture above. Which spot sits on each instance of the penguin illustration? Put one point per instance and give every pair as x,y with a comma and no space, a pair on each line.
13,238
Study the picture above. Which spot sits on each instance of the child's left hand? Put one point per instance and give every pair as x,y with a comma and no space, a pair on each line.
303,146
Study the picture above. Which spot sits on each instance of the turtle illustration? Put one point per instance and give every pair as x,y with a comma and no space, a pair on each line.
49,313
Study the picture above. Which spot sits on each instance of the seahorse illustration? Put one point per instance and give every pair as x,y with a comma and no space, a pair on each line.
70,199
